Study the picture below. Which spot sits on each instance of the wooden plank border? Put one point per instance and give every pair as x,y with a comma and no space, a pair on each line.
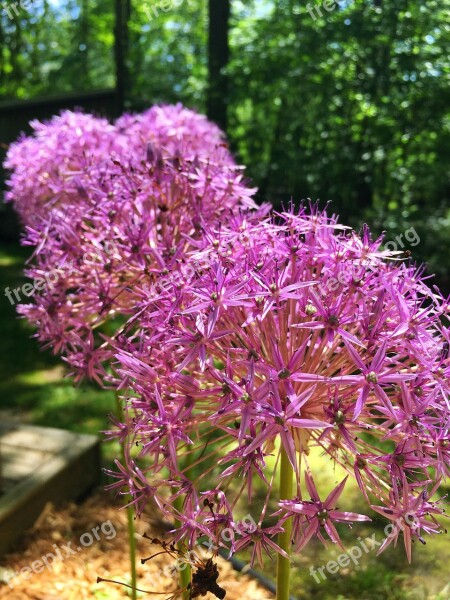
67,475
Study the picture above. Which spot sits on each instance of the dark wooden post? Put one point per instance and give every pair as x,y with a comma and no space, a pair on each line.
122,10
218,56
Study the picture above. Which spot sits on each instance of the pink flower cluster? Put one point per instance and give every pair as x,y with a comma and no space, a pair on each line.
261,348
234,337
52,167
108,206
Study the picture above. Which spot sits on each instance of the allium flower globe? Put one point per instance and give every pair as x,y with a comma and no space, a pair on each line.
239,342
291,333
111,210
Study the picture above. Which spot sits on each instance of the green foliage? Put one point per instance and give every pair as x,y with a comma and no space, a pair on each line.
56,47
349,104
167,57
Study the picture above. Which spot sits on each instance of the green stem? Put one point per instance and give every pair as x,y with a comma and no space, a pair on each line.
284,538
185,573
132,545
130,517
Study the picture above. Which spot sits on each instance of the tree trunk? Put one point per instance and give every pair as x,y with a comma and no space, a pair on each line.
123,10
218,56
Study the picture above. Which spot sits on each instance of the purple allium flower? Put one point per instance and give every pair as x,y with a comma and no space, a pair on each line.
232,336
173,129
261,542
410,514
317,515
113,209
50,168
288,333
47,167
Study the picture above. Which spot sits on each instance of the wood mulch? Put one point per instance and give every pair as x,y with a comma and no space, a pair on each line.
80,559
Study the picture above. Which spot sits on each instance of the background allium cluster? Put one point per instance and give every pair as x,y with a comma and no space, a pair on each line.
238,340
105,206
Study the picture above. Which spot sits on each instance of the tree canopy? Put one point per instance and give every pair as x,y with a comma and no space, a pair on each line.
345,101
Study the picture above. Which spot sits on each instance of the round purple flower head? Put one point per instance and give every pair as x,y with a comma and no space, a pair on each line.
107,207
278,336
46,166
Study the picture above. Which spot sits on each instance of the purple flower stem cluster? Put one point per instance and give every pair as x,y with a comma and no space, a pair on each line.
247,359
234,356
108,207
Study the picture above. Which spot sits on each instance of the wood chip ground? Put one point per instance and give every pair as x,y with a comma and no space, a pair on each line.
74,577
